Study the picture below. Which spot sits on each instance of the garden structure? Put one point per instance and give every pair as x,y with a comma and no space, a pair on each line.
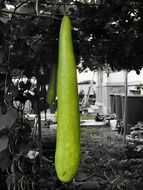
105,34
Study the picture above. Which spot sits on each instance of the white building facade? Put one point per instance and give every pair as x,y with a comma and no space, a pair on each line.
115,84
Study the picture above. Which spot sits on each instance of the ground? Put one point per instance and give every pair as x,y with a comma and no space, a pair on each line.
106,162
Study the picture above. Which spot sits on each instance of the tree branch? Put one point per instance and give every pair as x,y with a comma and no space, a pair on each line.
37,7
30,14
18,6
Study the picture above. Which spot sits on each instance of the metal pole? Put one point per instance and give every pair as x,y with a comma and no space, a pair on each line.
125,107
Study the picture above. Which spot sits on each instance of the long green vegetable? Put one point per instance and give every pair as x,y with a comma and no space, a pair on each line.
51,94
67,155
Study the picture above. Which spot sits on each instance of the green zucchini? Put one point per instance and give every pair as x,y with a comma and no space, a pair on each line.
51,93
67,156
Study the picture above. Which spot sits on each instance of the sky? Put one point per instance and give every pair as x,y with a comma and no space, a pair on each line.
85,76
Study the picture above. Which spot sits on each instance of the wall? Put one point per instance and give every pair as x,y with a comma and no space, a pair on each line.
114,83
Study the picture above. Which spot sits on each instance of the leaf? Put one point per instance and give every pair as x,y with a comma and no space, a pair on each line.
4,159
4,132
8,119
9,179
17,72
3,27
2,121
3,142
3,108
23,147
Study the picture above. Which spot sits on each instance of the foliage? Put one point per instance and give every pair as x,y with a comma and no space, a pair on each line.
106,33
139,86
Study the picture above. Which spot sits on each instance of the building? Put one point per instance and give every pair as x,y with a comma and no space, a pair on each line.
113,84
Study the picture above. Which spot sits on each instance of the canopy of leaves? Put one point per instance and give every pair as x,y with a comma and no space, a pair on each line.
104,33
